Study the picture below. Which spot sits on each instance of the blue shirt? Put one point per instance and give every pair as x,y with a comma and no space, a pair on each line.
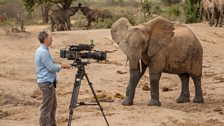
45,68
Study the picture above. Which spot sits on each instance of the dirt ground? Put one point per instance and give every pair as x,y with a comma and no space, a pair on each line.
20,96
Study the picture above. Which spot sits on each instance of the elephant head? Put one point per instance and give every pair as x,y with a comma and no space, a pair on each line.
143,40
72,10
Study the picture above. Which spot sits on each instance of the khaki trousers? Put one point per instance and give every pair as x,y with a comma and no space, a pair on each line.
48,105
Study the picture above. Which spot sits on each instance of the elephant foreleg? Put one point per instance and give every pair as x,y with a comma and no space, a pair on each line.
89,24
221,19
210,18
217,17
154,82
58,25
185,94
198,91
68,22
135,76
52,24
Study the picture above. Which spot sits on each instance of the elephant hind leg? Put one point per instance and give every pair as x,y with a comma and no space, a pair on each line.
185,94
198,91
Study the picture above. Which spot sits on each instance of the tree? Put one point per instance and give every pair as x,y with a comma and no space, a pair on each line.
46,6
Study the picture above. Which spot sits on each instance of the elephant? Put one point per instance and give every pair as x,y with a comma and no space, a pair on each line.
105,13
162,47
61,18
217,11
204,11
91,15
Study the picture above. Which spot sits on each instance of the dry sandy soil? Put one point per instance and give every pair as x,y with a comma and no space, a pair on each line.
20,96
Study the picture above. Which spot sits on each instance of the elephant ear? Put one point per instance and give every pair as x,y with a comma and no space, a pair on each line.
119,33
160,33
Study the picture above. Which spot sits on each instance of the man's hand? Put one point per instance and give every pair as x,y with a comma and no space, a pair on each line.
65,66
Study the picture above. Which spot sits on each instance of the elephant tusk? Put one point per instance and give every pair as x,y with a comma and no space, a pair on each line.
140,65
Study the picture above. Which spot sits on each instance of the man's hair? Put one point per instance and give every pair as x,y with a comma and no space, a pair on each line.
42,36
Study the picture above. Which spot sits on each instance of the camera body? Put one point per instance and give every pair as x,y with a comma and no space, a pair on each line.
82,51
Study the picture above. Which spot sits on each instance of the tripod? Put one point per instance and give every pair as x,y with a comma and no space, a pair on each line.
78,77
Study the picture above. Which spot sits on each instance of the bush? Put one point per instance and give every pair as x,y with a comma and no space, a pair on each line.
157,10
175,10
147,7
11,25
107,23
170,2
190,12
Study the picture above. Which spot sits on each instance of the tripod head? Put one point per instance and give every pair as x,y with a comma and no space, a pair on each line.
79,63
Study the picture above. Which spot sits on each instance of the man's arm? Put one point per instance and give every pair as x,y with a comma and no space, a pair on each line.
46,60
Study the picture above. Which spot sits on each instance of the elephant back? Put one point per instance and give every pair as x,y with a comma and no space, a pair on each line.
184,52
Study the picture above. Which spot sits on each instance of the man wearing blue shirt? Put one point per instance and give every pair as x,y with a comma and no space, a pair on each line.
46,79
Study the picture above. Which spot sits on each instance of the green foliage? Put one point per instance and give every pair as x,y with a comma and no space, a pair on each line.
190,12
157,10
174,10
147,6
120,1
151,8
81,22
130,17
169,2
29,5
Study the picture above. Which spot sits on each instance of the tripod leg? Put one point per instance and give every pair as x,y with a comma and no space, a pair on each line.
74,97
97,101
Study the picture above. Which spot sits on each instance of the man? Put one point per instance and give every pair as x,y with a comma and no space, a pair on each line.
46,79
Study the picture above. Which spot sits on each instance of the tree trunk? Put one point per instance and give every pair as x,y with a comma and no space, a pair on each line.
143,11
45,12
66,4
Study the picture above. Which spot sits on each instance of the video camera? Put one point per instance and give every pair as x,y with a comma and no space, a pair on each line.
82,51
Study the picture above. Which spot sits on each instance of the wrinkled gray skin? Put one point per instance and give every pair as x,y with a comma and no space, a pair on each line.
61,18
91,15
216,7
162,49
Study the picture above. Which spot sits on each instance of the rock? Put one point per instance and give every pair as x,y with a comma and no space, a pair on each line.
36,94
146,87
218,109
3,114
166,89
221,113
104,97
118,95
120,72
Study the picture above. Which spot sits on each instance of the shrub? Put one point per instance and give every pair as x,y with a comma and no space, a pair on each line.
11,25
174,10
190,12
157,10
147,7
